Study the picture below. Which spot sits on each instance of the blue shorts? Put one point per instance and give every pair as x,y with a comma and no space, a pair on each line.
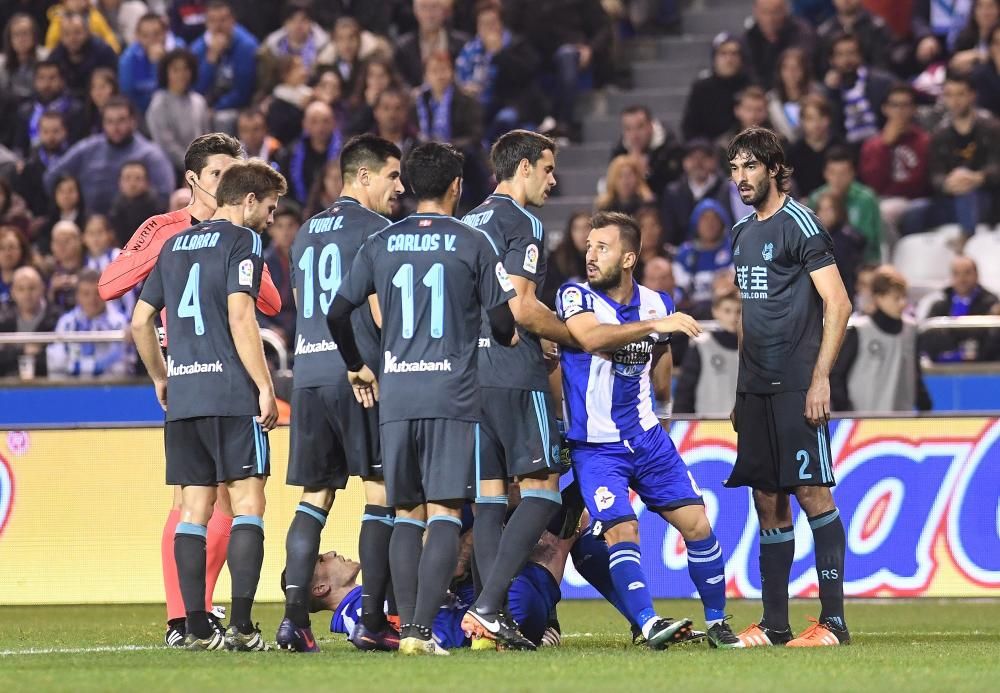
532,596
447,627
648,463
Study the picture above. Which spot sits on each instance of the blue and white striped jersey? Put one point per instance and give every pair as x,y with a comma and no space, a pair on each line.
607,400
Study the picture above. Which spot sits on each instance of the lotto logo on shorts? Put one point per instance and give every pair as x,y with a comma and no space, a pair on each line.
603,498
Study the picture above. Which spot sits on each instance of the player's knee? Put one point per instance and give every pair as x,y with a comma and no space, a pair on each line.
773,509
815,500
548,482
319,497
375,492
622,532
695,526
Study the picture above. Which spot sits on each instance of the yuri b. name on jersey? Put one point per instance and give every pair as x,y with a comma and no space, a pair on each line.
416,243
392,364
304,347
175,369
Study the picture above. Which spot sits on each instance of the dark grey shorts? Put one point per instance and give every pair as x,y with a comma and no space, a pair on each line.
518,435
207,450
428,460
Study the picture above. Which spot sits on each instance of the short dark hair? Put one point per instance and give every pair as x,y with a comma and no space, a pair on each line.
390,91
902,88
370,151
176,54
751,92
838,154
431,167
152,17
515,146
54,115
960,78
817,101
88,275
844,37
289,210
628,229
347,20
119,101
293,7
252,176
49,63
636,109
216,4
886,280
763,145
730,293
204,146
135,162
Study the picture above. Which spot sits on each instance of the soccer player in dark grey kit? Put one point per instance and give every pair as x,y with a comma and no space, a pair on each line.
519,438
332,435
433,277
795,311
216,390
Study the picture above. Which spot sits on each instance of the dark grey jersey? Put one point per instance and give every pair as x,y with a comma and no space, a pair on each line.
519,238
433,276
322,252
194,275
782,311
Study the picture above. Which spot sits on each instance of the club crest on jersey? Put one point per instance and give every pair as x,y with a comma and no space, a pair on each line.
531,259
503,278
768,252
424,223
246,273
603,498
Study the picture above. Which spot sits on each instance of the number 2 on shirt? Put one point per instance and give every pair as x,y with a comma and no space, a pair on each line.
327,270
190,305
433,280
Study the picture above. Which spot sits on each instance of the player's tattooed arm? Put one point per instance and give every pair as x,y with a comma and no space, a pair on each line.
147,343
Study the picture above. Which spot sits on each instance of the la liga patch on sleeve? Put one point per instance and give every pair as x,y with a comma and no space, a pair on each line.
531,258
246,273
503,278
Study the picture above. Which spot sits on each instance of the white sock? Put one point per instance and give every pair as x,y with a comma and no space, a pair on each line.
709,624
648,626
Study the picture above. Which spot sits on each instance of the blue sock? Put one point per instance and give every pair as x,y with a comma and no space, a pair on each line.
708,573
630,583
590,558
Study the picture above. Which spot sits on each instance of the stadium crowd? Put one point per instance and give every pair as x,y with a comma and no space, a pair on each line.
888,111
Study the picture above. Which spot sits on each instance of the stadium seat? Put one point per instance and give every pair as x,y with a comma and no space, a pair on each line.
924,258
984,248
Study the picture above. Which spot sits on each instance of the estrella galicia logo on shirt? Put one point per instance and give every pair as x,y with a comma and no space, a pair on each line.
768,252
630,361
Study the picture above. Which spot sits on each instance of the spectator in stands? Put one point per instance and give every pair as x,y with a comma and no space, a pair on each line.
807,156
878,369
50,95
965,296
792,84
138,69
860,201
177,114
650,235
649,143
971,46
372,44
79,53
325,189
658,275
52,143
709,111
14,254
986,77
852,18
66,205
99,242
702,258
27,312
135,201
97,160
392,121
298,36
572,37
707,382
499,68
93,22
227,64
21,53
91,314
848,244
179,199
187,19
965,159
289,99
328,87
750,112
66,264
895,164
625,188
346,54
302,160
432,36
772,31
856,91
287,221
443,112
123,16
251,128
13,208
864,303
375,76
568,261
701,180
103,85
375,17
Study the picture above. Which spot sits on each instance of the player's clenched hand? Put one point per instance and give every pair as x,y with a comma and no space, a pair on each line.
678,322
817,410
268,418
365,386
161,392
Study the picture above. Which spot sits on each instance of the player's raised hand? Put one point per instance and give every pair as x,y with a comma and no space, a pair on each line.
161,392
365,386
679,322
817,411
268,418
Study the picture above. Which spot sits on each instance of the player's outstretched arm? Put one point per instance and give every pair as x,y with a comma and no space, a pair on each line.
246,336
535,316
147,343
595,336
836,311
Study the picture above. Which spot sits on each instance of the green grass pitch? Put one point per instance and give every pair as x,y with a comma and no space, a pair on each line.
904,645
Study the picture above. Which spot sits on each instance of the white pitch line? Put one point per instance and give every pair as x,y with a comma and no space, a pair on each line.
80,650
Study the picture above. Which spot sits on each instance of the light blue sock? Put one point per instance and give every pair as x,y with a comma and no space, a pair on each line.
708,573
630,583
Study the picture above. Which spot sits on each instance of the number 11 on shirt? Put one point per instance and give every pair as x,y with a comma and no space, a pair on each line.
433,280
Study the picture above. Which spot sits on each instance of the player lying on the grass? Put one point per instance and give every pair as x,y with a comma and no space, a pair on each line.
206,159
332,435
216,390
615,433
